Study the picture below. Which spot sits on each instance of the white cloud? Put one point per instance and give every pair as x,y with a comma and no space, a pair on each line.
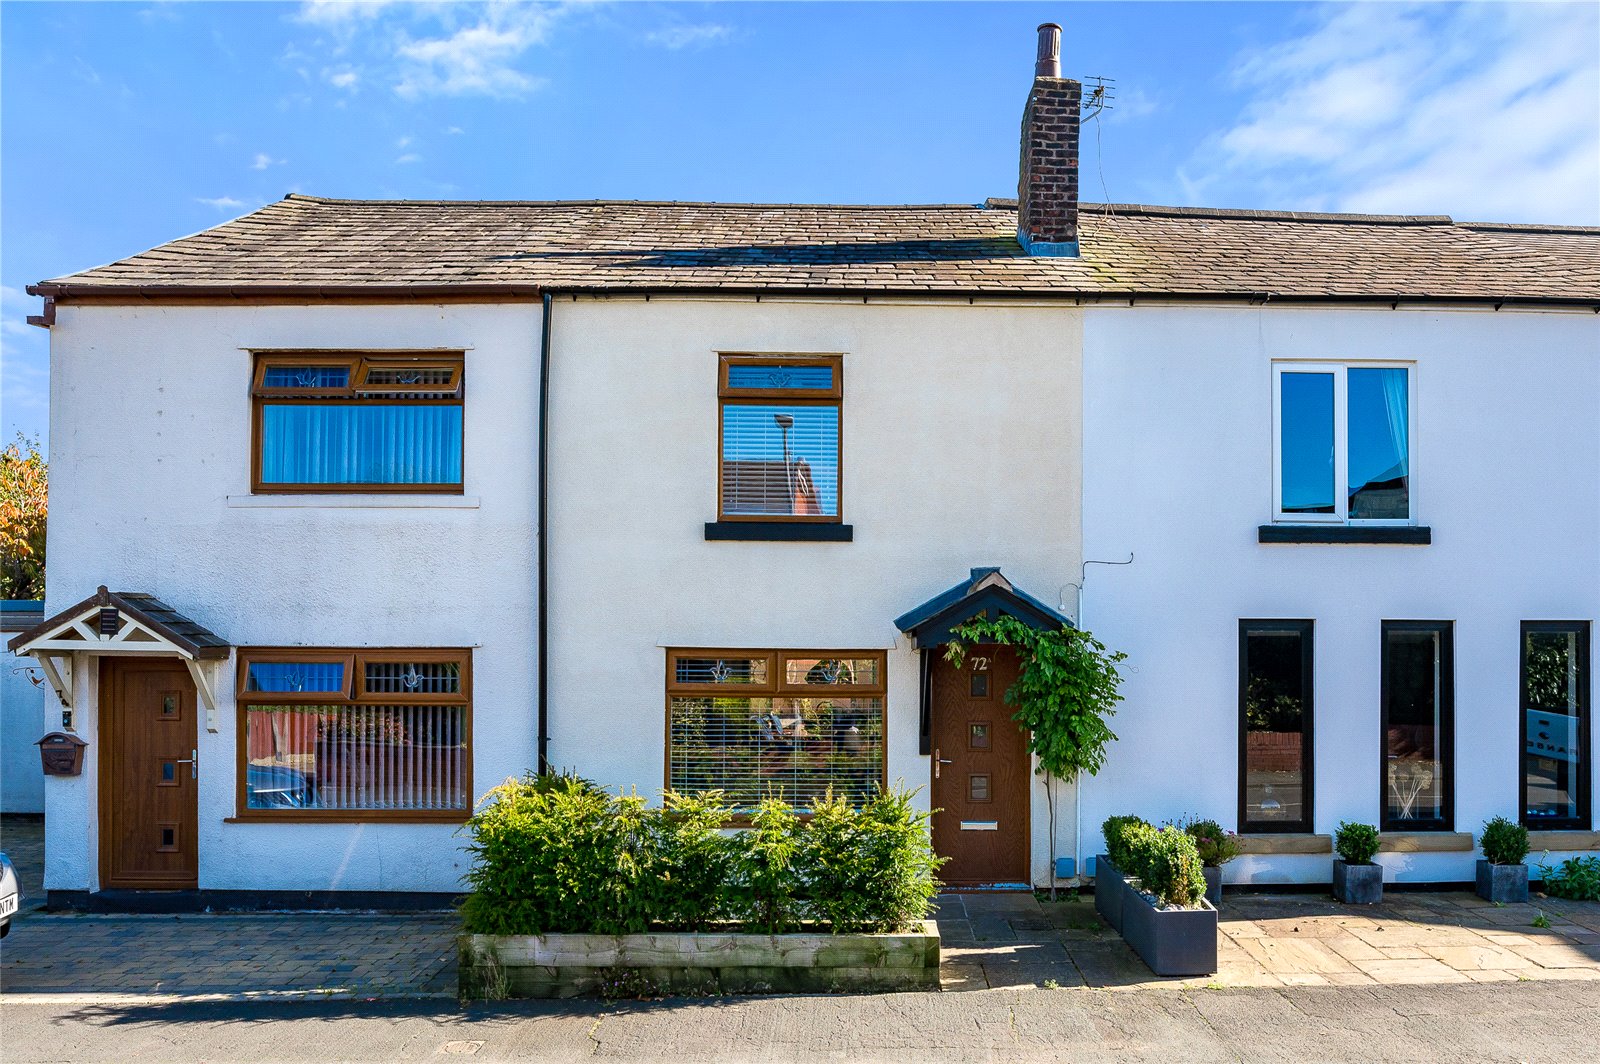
430,49
221,203
1482,111
676,37
454,131
404,142
263,160
408,157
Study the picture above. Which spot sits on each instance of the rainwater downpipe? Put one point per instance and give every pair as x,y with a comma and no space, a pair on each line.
542,533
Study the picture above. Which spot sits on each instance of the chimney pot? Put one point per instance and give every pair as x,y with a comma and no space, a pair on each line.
1048,62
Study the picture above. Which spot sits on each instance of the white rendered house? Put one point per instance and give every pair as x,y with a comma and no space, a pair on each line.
362,507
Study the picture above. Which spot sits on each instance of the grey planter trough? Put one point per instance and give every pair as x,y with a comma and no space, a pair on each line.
1358,884
1171,941
1110,887
1213,885
559,966
1506,883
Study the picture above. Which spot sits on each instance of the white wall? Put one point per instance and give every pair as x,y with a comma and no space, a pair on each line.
22,723
1178,470
960,448
150,438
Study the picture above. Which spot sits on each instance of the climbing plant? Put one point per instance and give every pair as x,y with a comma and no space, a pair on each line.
1065,692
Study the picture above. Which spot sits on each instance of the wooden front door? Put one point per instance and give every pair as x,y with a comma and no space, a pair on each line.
149,809
981,769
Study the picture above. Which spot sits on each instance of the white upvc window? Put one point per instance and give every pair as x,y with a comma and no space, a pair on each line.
1344,443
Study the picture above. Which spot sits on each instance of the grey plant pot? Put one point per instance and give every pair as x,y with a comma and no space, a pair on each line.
1171,941
1109,889
1358,884
1505,883
1213,885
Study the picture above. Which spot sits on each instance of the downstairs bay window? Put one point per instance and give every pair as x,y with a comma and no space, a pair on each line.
778,723
332,734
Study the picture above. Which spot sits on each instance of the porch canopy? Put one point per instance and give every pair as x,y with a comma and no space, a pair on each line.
125,623
985,593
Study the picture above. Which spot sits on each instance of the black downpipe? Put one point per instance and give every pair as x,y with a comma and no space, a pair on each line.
543,530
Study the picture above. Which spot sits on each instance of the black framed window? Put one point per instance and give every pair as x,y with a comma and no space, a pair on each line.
1555,725
1418,726
1275,726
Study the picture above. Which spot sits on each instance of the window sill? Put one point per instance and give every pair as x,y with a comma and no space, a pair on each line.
1413,535
1425,842
1287,842
318,816
780,531
354,502
1563,841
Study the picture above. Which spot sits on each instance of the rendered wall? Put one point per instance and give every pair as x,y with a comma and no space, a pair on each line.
150,471
960,449
1178,471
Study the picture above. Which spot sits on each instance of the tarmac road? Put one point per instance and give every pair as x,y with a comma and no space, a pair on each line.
1516,1021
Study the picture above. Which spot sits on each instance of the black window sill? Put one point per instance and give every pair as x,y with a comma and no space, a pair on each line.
1403,534
780,531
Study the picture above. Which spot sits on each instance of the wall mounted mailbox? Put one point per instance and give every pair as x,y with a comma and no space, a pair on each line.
61,754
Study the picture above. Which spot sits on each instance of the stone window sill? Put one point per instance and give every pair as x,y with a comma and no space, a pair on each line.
1425,842
354,502
1286,842
1563,841
1412,535
780,531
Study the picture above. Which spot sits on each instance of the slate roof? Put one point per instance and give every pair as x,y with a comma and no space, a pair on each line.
305,245
147,610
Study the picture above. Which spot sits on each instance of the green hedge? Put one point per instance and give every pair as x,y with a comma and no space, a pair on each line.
1165,861
553,854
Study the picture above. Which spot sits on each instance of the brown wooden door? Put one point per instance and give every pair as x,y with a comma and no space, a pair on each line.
981,769
149,810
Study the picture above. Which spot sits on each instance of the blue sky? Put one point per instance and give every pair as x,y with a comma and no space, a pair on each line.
125,125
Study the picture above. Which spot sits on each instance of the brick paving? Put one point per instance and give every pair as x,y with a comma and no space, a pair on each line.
1277,940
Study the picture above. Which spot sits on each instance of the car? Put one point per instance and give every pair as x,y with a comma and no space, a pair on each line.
10,894
277,787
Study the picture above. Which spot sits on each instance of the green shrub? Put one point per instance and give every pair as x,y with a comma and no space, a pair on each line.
765,887
866,869
692,862
1217,847
1577,878
1503,842
1115,830
1356,843
1166,862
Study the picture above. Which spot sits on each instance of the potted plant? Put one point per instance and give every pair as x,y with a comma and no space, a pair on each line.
1167,919
1217,847
1357,880
1502,877
1110,877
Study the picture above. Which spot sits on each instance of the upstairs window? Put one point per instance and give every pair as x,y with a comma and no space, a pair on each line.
778,437
1342,443
357,422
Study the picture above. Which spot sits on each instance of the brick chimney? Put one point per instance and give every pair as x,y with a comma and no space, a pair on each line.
1047,189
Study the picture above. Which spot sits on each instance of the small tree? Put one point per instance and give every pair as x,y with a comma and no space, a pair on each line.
24,477
1065,691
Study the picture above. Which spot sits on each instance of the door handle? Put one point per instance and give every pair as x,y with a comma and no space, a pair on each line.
193,761
937,761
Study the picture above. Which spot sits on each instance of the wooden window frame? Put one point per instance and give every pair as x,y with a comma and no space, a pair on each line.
1306,629
357,391
727,395
776,688
355,659
1585,768
1447,729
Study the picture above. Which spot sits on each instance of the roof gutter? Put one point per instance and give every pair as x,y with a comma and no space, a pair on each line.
480,293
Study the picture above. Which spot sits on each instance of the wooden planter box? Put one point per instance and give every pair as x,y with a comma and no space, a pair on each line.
1171,941
1505,883
558,966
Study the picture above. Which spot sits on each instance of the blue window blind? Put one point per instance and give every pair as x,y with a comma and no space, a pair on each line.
284,677
360,443
779,375
780,460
